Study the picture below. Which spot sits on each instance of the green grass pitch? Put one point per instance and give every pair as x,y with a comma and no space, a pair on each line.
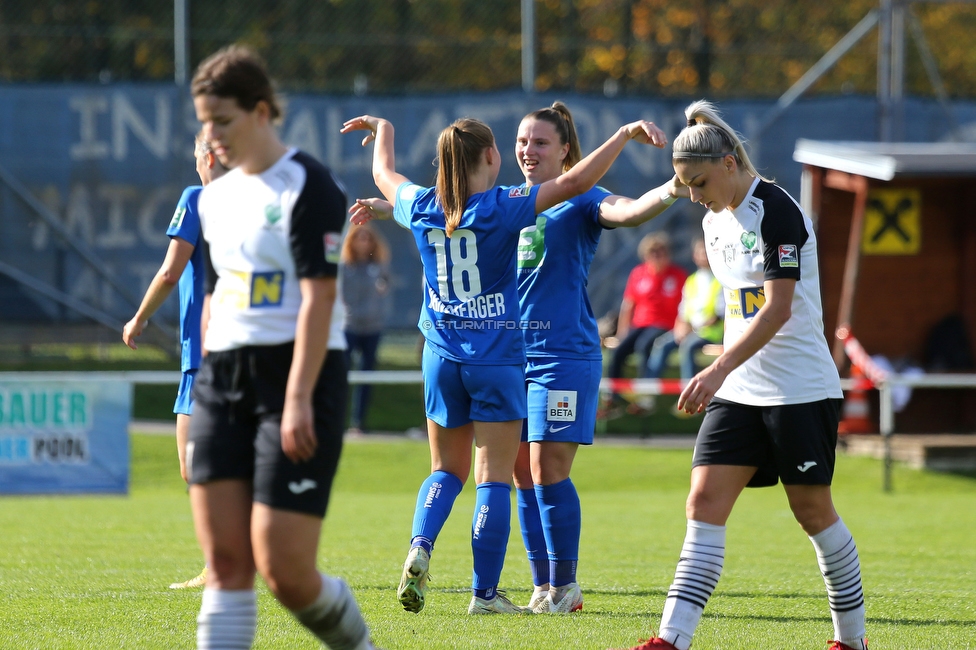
92,572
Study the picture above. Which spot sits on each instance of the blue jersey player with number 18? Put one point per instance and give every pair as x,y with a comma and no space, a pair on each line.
467,232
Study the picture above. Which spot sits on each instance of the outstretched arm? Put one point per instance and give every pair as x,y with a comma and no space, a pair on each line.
167,277
364,210
618,211
384,162
587,172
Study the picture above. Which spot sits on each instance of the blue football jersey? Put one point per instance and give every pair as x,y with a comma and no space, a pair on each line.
470,312
554,257
186,226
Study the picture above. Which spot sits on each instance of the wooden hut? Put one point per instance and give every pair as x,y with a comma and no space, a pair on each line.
896,226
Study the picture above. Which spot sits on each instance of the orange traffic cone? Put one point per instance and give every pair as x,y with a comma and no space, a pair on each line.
857,411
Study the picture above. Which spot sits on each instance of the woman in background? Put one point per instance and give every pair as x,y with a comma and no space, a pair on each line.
365,286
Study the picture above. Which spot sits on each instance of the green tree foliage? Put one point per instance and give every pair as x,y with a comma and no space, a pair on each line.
718,48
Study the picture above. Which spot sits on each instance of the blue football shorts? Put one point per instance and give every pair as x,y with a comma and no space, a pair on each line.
458,393
562,398
184,395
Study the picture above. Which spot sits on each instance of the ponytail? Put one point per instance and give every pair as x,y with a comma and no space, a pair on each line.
708,136
562,120
459,148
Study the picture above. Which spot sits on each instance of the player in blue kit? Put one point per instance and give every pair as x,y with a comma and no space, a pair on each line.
563,347
182,266
467,232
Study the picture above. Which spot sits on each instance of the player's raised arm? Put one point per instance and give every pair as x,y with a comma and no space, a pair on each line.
585,174
384,161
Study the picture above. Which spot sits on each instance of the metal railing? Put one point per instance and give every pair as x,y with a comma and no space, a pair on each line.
653,387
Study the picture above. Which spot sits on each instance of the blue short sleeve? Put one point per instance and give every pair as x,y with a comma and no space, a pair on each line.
406,196
185,223
518,206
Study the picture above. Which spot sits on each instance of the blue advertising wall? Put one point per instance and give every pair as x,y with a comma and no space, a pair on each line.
62,433
110,162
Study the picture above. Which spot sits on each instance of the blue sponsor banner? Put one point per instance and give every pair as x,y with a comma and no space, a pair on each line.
64,435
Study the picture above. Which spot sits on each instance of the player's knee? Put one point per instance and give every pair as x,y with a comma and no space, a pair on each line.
707,506
293,589
228,570
814,518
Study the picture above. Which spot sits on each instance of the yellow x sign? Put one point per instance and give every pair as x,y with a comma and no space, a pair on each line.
892,222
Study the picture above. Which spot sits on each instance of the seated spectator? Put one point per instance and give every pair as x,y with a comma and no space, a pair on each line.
649,306
699,322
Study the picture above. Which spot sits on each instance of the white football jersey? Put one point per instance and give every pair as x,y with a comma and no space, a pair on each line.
264,232
766,238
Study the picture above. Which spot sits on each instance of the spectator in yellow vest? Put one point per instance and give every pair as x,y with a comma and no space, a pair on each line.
700,319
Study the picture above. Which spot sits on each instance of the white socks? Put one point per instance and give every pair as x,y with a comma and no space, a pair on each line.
841,569
698,571
335,618
227,619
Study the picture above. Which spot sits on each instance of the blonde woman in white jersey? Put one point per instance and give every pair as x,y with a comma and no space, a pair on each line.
771,400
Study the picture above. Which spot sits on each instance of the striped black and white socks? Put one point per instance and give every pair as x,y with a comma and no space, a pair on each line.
335,618
227,619
698,571
841,569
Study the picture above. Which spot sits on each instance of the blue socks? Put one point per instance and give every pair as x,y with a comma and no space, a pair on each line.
559,506
532,536
434,502
490,528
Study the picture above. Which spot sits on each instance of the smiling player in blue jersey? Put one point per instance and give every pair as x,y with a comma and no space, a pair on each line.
467,233
183,266
564,357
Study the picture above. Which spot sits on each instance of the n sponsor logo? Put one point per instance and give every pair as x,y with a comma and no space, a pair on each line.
745,303
267,288
807,465
519,192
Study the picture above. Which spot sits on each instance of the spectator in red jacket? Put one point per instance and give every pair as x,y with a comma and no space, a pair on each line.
650,304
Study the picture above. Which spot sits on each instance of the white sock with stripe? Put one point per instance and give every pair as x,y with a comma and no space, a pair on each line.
698,571
841,570
335,618
227,619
